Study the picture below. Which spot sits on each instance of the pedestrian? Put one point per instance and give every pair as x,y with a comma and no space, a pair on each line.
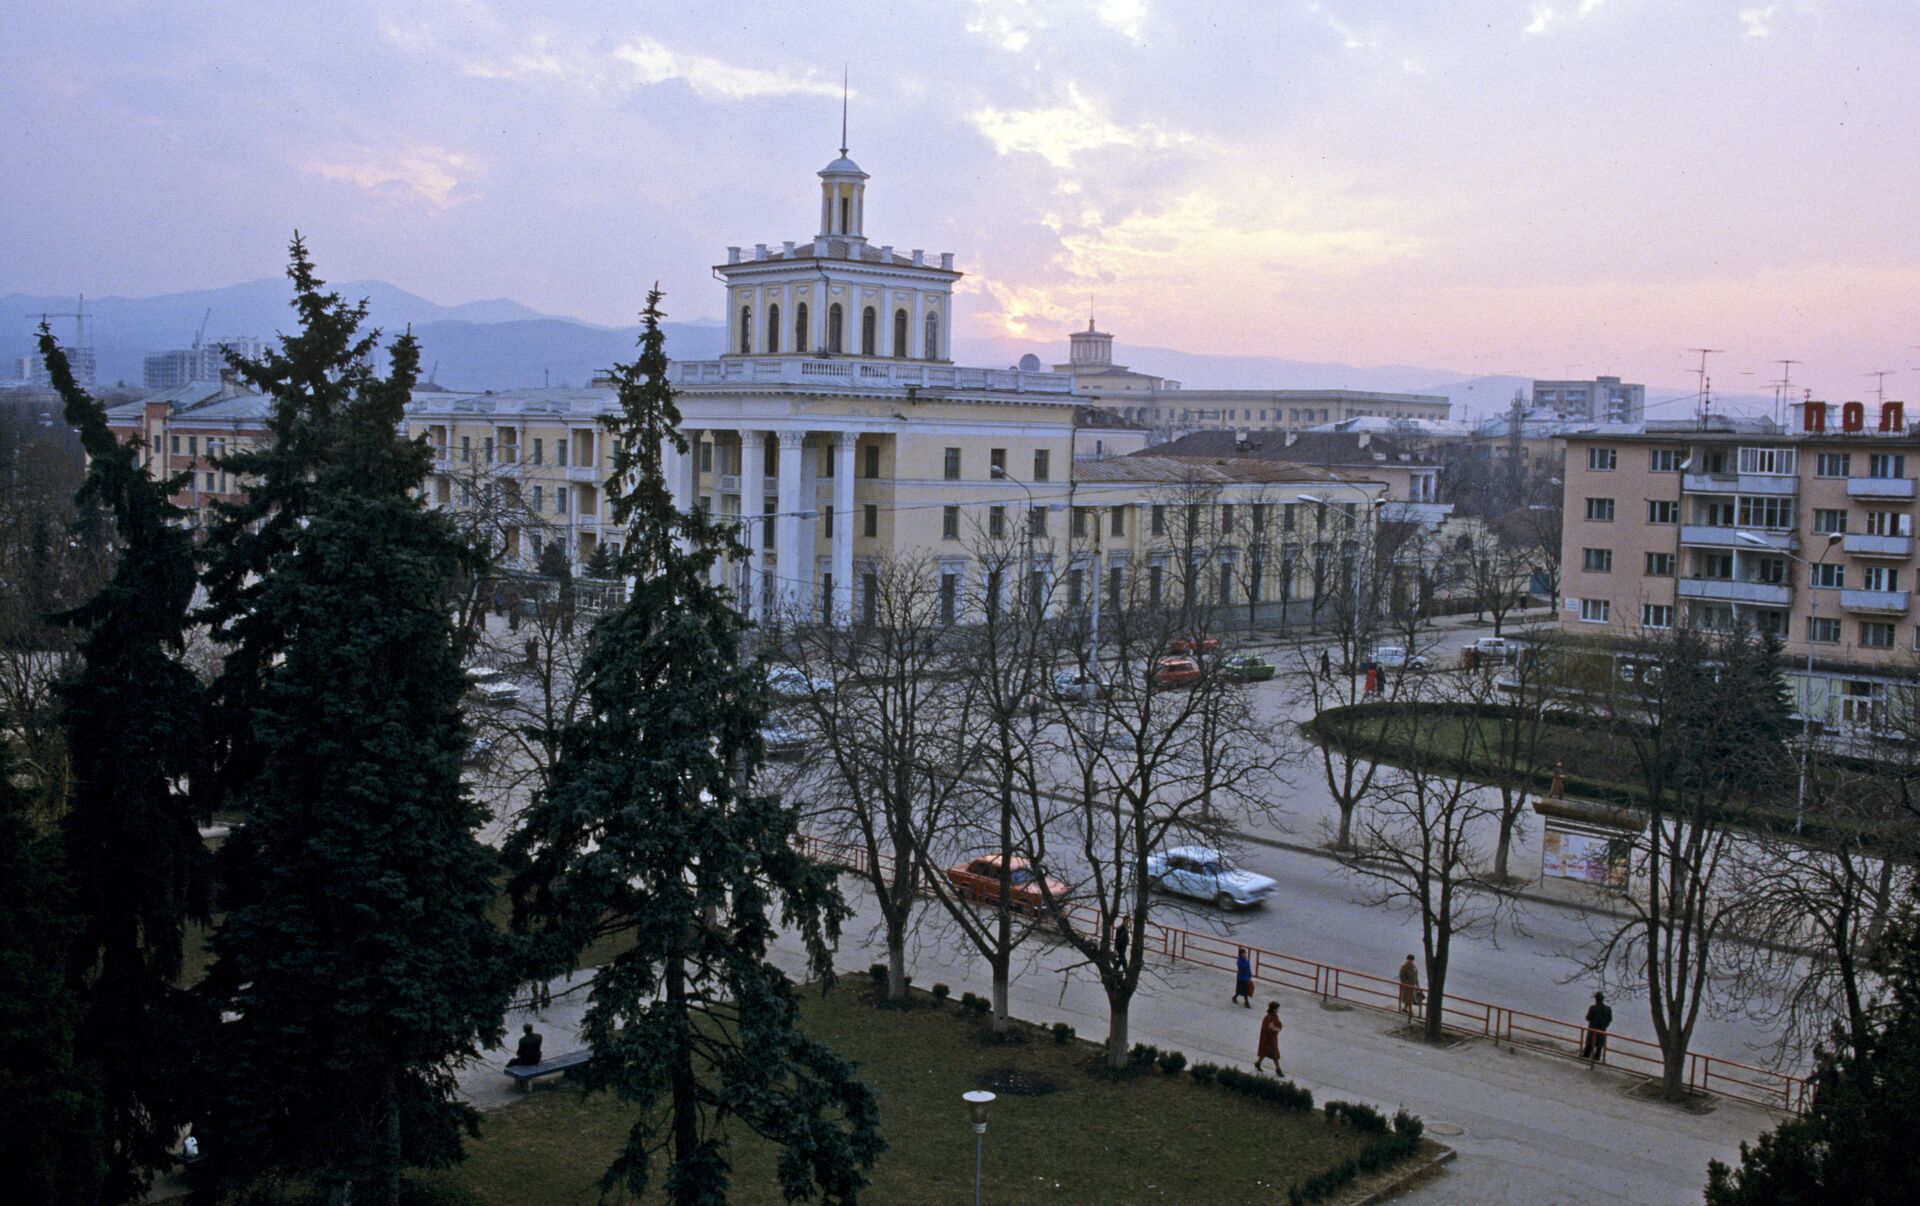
1826,1074
527,1053
1326,665
1599,1017
1120,937
1243,980
1409,988
1372,686
1270,1040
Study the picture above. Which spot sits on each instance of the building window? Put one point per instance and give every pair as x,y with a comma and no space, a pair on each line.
827,457
486,451
1770,621
1875,634
1880,577
826,522
1718,566
996,462
800,327
1664,460
873,460
932,338
706,456
1594,611
949,598
867,330
1770,570
950,523
1775,514
1156,576
993,593
1286,516
872,512
1656,615
1116,578
1158,525
1658,510
1771,462
1659,565
1889,523
1119,525
1833,464
539,452
836,328
1823,631
1829,522
899,333
176,444
1080,520
1036,522
953,465
537,499
869,599
1600,510
1076,582
746,329
773,328
1042,465
560,452
1602,460
996,521
1598,561
1887,465
560,500
1829,577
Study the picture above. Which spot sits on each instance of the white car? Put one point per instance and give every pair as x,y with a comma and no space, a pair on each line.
781,740
1493,649
787,682
1395,657
1083,686
491,686
1206,874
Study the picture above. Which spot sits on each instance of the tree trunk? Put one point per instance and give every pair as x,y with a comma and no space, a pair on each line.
1436,1001
896,961
1509,815
1000,979
1345,839
386,1184
1117,1044
1673,1073
686,1109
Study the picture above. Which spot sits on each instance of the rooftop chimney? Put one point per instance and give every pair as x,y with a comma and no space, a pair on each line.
759,251
733,255
946,260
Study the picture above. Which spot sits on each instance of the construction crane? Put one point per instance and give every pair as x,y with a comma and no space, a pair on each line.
81,353
200,336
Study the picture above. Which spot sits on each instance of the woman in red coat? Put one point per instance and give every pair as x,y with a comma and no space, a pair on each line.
1270,1039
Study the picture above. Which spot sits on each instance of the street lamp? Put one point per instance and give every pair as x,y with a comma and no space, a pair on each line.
1806,705
977,1102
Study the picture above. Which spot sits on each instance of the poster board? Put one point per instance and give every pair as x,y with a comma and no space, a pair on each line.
1587,854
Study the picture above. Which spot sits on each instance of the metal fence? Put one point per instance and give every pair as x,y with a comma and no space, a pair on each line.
1459,1015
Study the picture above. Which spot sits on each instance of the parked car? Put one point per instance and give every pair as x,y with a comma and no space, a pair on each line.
480,751
1079,686
491,686
1194,645
1396,657
788,682
1206,874
1246,668
1493,649
979,881
1174,672
781,740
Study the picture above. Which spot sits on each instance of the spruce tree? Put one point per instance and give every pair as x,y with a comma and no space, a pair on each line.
131,718
356,959
651,826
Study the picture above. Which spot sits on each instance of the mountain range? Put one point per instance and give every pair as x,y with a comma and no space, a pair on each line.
502,344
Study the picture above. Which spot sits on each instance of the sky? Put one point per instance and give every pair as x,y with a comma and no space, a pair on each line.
1541,187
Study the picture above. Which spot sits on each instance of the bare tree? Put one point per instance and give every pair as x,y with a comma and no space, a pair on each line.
1421,838
1511,701
1493,567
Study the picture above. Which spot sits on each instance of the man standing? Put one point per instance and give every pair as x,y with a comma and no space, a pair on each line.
1409,988
1326,666
527,1053
1599,1017
1243,980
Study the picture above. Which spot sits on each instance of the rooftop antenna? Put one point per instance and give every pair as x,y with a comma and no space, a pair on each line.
1786,385
1880,383
1704,353
843,110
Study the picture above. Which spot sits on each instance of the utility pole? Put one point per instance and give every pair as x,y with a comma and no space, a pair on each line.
1701,410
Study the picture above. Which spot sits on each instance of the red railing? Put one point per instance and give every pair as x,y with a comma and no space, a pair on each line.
1459,1015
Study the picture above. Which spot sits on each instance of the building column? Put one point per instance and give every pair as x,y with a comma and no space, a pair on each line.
672,472
753,504
792,576
843,521
688,487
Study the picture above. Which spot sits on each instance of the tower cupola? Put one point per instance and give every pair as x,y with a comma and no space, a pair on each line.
843,199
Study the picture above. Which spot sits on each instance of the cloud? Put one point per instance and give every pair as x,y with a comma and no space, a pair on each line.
1759,21
1060,132
1546,16
653,63
1012,24
418,173
1124,16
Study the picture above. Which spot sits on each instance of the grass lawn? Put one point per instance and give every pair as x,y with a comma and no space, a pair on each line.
1144,1138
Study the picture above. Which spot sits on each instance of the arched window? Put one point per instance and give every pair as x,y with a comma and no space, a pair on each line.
836,328
932,349
899,332
746,329
773,328
867,333
846,214
800,327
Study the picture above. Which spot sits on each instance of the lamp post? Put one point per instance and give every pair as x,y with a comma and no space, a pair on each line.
977,1102
1806,705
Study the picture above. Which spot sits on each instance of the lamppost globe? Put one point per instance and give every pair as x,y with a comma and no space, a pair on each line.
977,1102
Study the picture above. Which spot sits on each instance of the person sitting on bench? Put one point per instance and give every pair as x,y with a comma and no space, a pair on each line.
528,1052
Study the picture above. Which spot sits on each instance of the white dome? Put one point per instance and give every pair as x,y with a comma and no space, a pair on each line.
842,167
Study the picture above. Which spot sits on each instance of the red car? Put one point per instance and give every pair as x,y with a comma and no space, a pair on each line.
1193,645
1174,672
979,881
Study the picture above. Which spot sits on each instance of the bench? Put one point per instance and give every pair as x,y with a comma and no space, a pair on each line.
564,1065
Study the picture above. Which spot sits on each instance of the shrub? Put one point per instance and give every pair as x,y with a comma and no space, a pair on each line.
1379,1153
1282,1093
1204,1073
1360,1117
940,994
979,1006
1408,1124
1062,1032
967,1000
1142,1055
1172,1062
878,972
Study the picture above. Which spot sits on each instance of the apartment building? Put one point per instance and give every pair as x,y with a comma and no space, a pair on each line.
184,429
1805,534
1601,400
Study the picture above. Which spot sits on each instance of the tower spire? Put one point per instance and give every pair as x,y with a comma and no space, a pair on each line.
843,109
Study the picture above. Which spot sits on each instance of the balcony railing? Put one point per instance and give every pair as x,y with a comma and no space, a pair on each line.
583,473
1739,483
1880,602
1727,590
1860,544
1700,533
1879,487
862,373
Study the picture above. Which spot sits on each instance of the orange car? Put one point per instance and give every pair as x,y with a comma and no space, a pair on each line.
1194,644
1174,672
979,881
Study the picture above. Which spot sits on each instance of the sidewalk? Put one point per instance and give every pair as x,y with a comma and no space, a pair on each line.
1528,1128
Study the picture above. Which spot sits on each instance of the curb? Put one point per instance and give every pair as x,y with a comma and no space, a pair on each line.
1401,1183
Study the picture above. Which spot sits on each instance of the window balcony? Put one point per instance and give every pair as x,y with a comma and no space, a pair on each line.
1859,544
1878,602
1726,590
1880,487
583,473
1719,537
1740,483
